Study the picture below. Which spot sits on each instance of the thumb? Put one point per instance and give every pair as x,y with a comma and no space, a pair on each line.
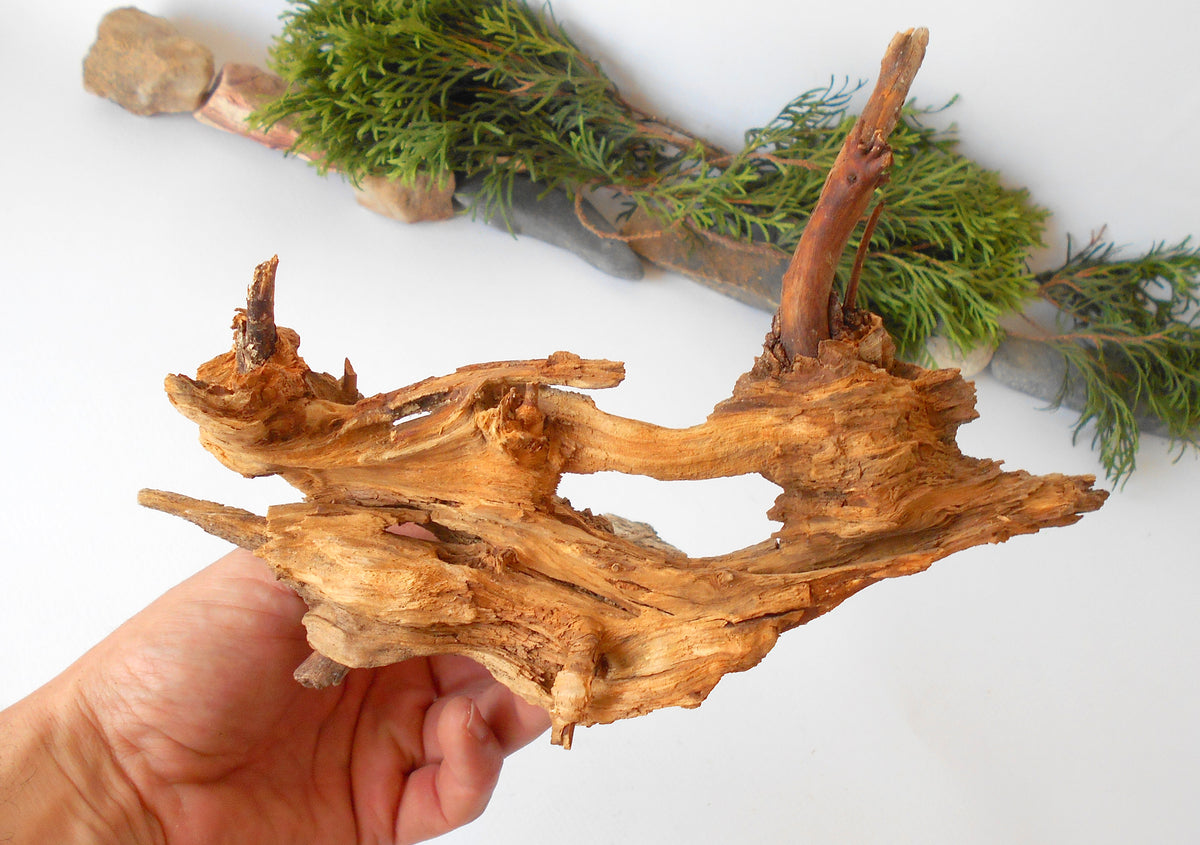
453,791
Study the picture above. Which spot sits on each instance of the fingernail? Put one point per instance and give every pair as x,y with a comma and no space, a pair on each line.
476,725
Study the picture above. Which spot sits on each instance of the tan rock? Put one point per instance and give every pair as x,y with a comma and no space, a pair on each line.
946,355
412,202
142,63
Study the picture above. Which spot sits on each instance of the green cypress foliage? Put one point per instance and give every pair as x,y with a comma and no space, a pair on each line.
491,87
1131,329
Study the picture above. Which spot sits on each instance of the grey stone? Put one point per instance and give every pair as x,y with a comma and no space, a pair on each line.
551,218
142,63
753,276
1041,371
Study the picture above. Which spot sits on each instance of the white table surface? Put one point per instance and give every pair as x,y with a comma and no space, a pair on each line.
1041,691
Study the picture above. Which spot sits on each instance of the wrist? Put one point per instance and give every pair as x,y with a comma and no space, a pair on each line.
59,780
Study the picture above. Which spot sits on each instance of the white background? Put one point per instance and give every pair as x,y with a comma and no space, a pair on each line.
1041,691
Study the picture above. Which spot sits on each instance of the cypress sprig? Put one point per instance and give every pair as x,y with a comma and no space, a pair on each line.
1131,330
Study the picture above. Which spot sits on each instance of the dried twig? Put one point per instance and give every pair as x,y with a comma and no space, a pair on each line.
860,168
254,328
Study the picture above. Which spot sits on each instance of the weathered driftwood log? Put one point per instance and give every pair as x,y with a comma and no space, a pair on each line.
590,622
561,609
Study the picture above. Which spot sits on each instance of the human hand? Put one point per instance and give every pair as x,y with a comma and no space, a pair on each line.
193,705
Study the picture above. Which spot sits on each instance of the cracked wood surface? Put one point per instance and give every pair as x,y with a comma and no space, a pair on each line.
566,612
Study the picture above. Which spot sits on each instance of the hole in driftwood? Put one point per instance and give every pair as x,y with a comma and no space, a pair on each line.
412,529
701,518
407,418
418,408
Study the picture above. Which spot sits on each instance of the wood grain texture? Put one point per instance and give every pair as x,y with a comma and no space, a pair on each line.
568,613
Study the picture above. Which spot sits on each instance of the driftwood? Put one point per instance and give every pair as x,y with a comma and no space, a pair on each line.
569,611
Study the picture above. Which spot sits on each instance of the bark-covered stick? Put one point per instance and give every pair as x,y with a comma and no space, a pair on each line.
860,168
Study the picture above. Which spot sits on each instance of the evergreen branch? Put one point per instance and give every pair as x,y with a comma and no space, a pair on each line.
1132,333
491,88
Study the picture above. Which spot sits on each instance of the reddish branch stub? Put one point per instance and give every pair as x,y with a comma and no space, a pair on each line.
566,608
861,167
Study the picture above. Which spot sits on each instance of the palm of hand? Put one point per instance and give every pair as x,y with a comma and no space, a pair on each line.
197,698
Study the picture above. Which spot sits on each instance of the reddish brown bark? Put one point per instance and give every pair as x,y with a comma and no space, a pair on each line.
860,168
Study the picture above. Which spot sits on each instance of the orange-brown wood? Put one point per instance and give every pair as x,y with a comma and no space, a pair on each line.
587,616
568,612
